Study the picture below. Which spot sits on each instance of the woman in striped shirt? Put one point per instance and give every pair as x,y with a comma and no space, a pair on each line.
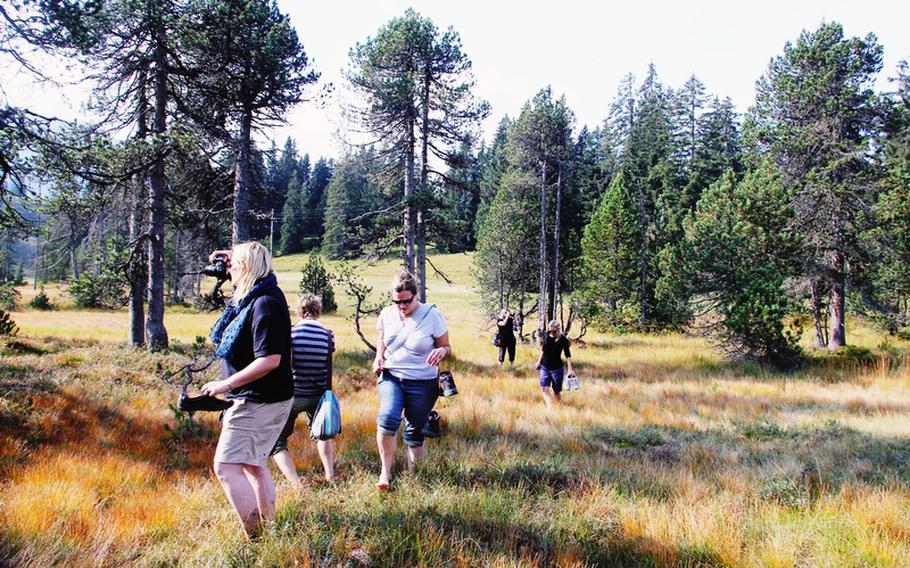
312,345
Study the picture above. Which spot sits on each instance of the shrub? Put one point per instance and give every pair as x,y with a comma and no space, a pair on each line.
9,296
315,279
107,290
7,325
856,354
41,301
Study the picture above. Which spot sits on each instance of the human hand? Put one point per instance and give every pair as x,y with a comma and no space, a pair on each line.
437,355
377,366
226,253
212,388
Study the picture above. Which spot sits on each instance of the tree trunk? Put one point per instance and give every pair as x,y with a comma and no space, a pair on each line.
542,276
137,270
138,277
240,226
154,324
820,340
410,218
74,253
501,277
421,256
838,334
175,291
424,175
643,258
554,263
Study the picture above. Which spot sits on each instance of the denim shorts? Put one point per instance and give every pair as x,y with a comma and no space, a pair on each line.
552,378
415,397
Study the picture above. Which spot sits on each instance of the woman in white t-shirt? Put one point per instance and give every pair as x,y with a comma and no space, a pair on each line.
413,340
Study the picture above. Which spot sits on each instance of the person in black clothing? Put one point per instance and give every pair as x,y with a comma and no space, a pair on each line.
549,364
254,340
506,325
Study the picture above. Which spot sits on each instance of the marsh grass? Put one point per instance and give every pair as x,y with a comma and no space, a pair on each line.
667,456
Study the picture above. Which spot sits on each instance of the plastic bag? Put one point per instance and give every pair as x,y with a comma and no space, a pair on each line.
327,420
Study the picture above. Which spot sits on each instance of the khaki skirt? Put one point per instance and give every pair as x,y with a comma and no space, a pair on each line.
250,430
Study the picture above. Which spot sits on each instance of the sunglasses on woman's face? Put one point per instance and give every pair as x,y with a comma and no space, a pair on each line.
403,302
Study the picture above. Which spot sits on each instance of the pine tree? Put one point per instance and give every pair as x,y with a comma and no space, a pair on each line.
350,198
417,88
258,69
886,293
314,212
315,279
730,267
650,174
292,218
540,142
507,252
816,112
493,164
610,246
687,109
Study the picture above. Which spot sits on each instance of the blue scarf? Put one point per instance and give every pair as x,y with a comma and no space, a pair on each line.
229,325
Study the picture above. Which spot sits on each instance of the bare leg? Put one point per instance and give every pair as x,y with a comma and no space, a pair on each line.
386,457
264,488
548,396
285,463
241,495
415,454
326,449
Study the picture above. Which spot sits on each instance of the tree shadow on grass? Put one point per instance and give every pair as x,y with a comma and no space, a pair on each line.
643,461
392,535
39,414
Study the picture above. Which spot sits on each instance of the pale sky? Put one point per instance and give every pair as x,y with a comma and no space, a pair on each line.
582,49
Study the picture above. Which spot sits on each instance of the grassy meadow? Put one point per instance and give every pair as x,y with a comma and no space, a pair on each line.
666,456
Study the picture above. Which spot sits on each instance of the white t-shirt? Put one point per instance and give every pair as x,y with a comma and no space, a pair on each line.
409,360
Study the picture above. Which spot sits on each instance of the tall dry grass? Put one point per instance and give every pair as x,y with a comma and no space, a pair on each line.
667,456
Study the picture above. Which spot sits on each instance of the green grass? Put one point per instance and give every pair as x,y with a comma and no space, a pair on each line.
667,456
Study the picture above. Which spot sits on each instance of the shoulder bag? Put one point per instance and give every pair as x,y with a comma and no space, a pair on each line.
327,418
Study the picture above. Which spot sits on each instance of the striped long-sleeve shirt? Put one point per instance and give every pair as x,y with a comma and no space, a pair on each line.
312,345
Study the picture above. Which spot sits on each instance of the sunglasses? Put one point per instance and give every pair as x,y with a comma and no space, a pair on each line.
403,302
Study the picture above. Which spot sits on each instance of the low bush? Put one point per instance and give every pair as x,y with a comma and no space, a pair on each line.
41,301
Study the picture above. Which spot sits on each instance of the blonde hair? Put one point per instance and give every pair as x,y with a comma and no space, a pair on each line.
309,305
554,324
404,280
255,263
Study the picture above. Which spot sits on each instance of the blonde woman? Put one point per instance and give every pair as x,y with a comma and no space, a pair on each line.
413,340
253,338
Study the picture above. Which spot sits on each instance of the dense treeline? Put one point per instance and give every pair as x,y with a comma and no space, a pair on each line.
673,213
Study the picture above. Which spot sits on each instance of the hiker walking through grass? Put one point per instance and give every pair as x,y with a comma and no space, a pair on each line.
506,332
253,337
413,340
549,363
312,345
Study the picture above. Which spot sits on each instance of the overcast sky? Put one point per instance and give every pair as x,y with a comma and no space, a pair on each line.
581,48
